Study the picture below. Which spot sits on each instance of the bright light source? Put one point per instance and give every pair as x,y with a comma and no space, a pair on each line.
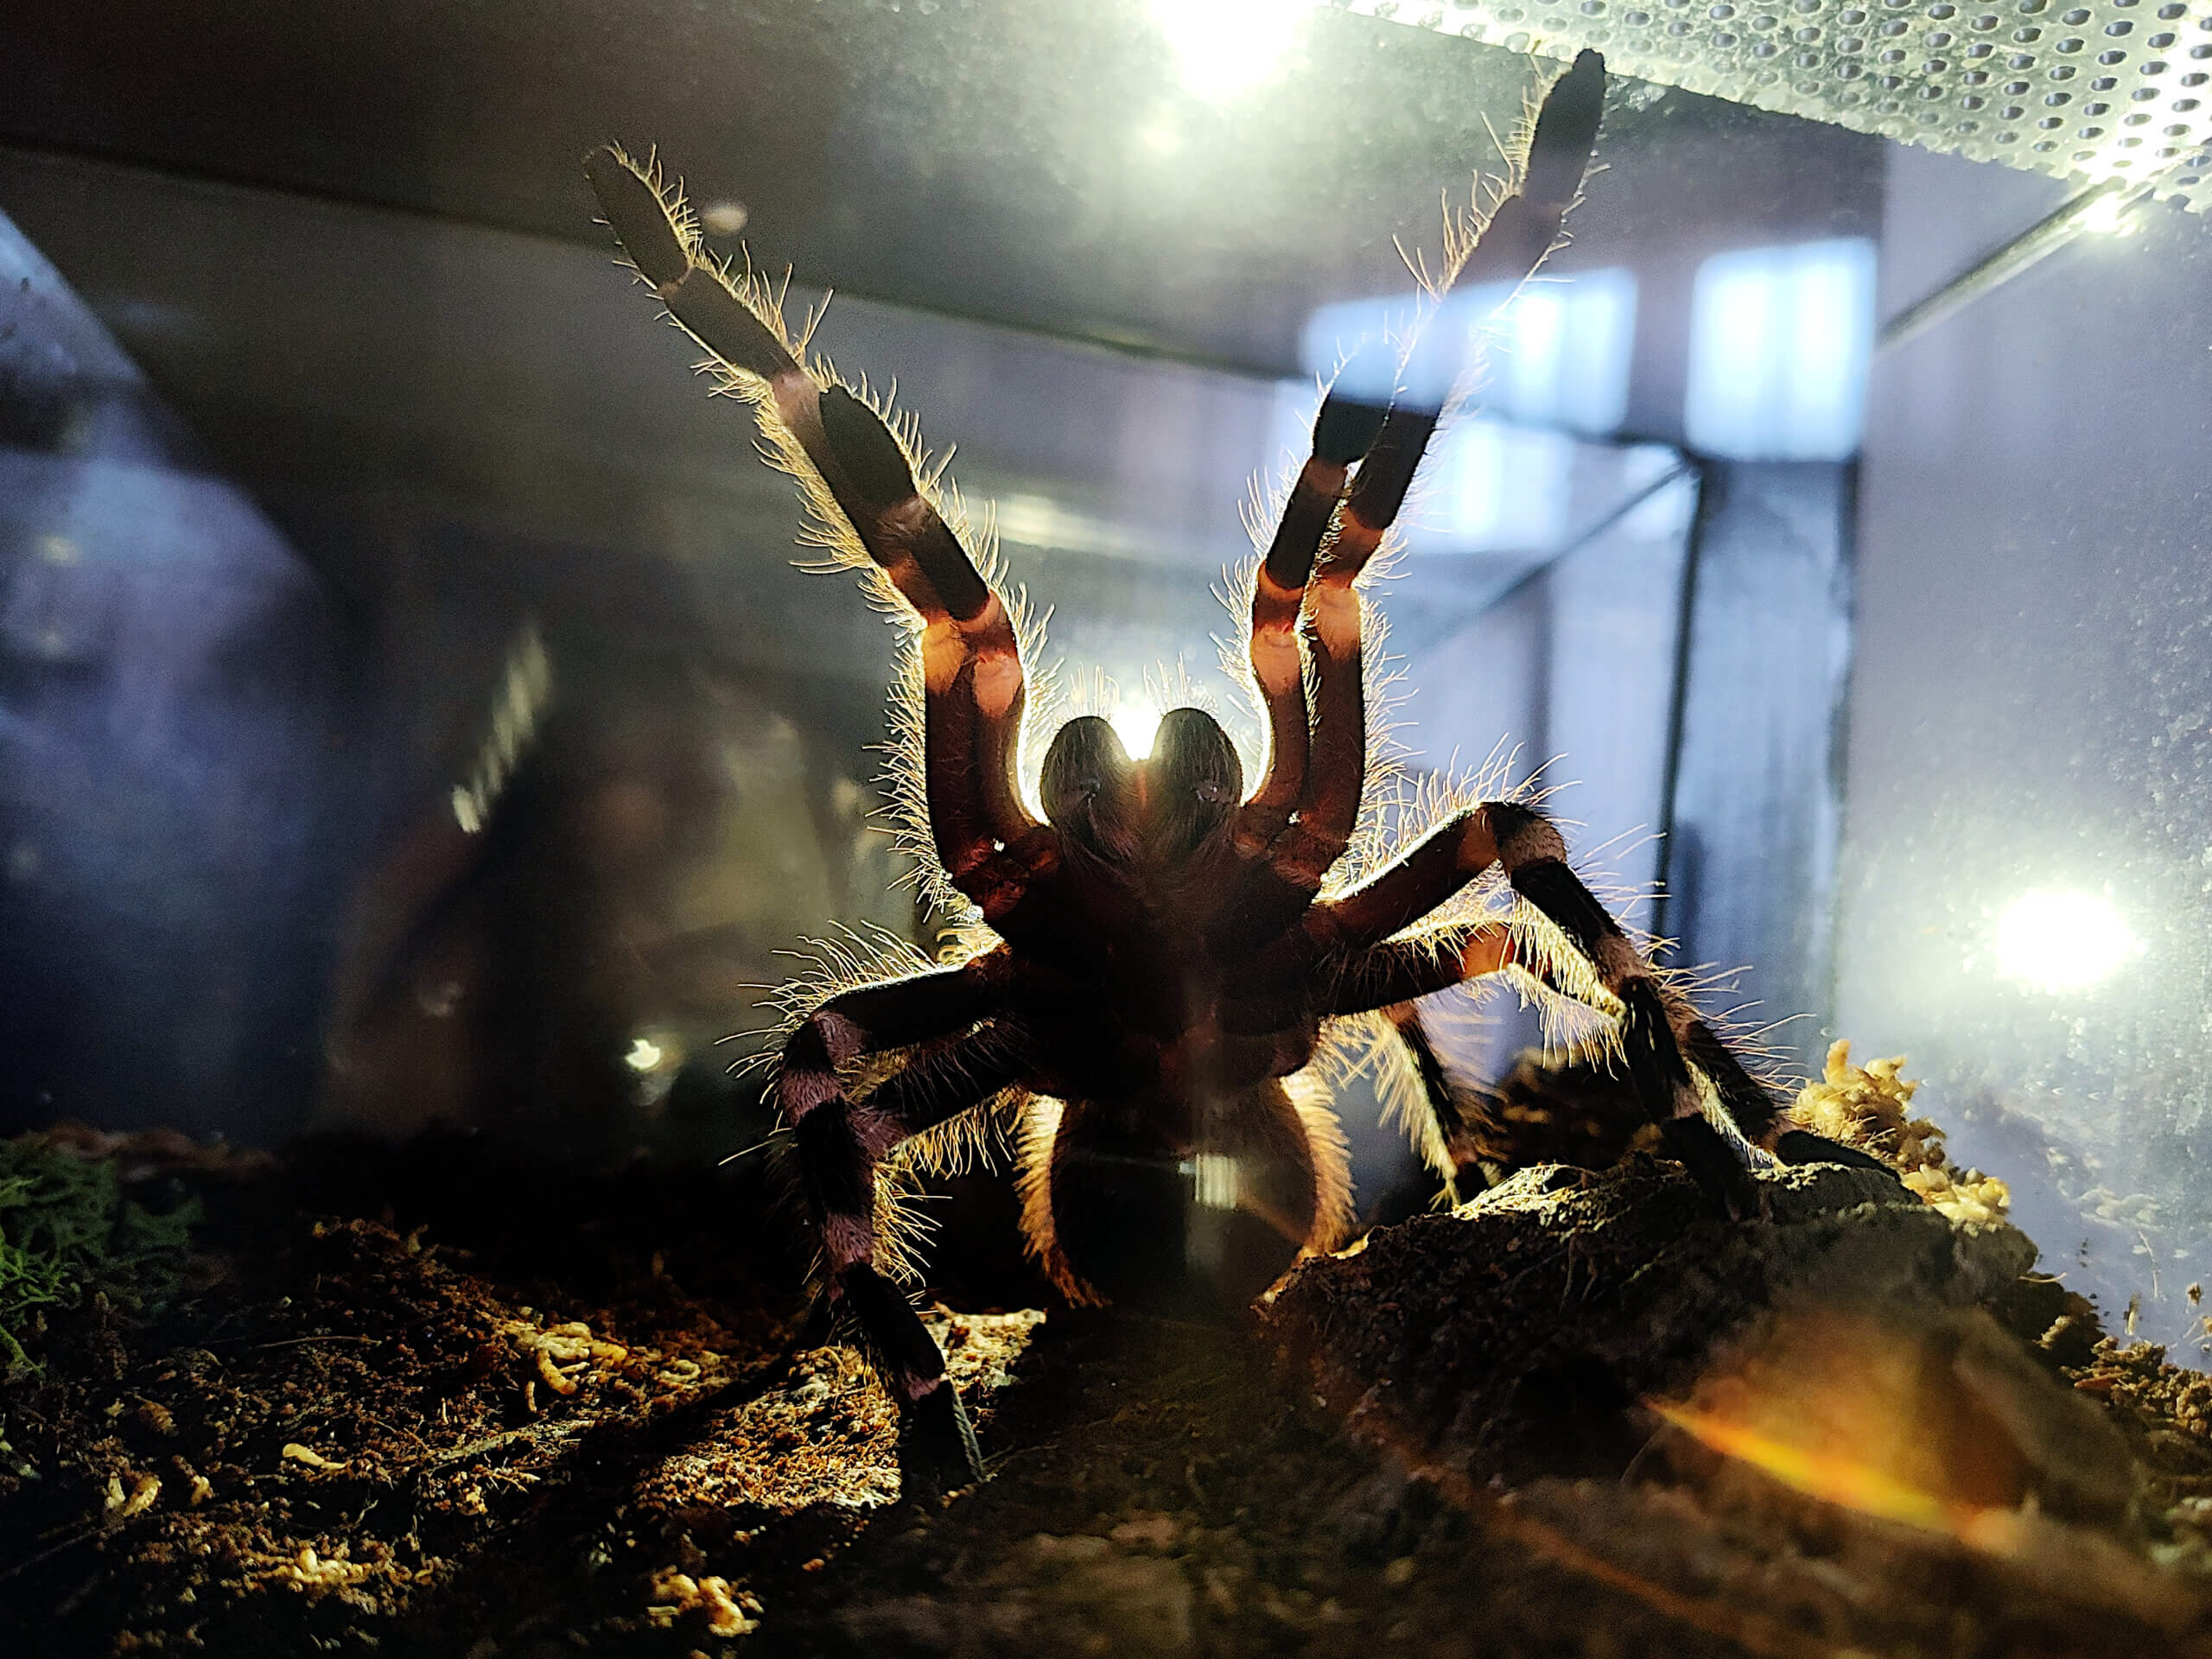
645,1055
2109,214
2054,940
1135,721
1227,47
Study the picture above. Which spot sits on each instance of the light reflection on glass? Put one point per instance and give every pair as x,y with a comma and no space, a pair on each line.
1557,353
1779,343
2054,939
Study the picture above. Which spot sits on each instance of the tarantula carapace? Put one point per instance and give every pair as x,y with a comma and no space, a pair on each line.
1158,959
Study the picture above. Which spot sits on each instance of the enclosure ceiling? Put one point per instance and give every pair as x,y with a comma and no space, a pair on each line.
1046,165
2112,90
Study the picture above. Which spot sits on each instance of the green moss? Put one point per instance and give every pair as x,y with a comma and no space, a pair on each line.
67,1230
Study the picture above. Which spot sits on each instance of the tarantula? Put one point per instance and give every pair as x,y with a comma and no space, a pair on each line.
1156,962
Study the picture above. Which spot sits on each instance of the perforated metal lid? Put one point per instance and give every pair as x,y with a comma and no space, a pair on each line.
2112,90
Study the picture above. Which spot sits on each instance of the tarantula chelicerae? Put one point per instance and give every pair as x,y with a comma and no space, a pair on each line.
1160,958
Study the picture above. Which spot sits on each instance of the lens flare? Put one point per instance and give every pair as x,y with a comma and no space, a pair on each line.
2055,939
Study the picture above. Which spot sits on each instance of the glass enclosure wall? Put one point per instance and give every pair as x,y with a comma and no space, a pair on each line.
2026,899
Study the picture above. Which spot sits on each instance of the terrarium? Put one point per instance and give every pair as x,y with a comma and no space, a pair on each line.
1495,943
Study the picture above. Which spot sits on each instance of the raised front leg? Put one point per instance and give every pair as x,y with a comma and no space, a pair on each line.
872,512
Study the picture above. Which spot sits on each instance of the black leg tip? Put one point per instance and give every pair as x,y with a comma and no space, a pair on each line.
1703,1151
1802,1147
938,1454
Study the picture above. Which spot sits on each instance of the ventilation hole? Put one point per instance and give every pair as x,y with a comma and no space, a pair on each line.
1764,49
2096,109
2103,83
2144,94
2111,58
1981,50
1938,41
1806,36
2057,98
2123,27
2025,36
2179,130
2154,67
1892,56
1761,23
2015,88
2167,14
1972,102
2182,105
2159,43
2090,132
2064,72
1724,39
2074,45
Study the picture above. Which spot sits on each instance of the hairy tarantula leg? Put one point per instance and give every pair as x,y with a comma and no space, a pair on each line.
1535,858
1513,245
971,661
1384,975
1444,861
1457,1139
1343,432
840,1142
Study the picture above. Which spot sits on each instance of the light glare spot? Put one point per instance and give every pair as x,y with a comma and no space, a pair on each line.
723,218
645,1055
2109,216
2053,940
1226,47
1136,724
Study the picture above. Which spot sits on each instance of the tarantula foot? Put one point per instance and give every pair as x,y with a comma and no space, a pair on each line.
938,1454
1720,1175
1802,1147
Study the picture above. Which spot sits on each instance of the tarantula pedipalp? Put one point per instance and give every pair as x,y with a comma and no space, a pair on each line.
1164,949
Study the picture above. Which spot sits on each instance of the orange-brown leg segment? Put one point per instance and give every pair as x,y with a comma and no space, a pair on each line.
1343,433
